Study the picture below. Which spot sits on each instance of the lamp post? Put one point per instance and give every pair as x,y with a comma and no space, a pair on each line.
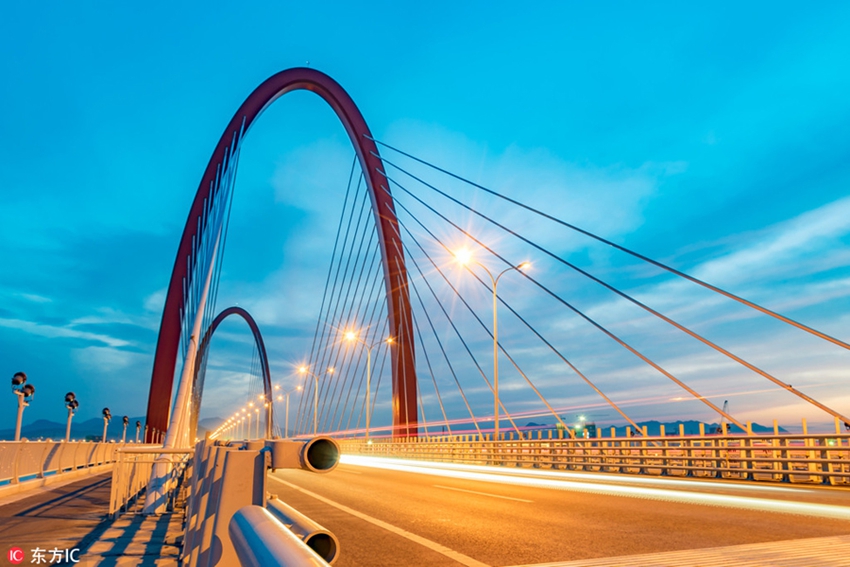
138,429
303,370
126,421
464,258
281,397
107,416
72,404
24,392
257,411
351,336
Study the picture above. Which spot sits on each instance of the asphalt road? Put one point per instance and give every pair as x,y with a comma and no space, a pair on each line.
434,517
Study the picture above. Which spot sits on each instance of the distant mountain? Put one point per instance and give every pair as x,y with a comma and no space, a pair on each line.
90,428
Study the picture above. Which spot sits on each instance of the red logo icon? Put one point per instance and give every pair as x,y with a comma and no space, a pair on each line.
16,555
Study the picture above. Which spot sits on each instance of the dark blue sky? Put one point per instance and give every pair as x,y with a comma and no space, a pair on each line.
715,139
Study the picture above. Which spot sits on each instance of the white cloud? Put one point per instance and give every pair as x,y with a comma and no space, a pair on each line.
52,331
106,359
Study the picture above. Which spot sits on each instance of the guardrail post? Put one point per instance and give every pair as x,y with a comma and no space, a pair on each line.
243,483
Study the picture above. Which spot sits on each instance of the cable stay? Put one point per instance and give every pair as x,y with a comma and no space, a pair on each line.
578,312
640,304
612,244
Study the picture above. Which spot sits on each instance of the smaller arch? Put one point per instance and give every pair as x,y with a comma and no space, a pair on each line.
201,359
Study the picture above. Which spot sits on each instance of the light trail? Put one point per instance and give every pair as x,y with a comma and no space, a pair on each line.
563,481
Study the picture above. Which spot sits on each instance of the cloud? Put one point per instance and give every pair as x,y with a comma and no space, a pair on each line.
107,359
53,331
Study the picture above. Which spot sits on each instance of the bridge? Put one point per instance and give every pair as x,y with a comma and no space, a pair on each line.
499,439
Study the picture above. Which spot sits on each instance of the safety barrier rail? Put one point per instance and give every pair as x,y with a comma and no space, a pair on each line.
132,471
804,458
24,460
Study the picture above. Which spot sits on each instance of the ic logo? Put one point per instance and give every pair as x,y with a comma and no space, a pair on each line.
16,556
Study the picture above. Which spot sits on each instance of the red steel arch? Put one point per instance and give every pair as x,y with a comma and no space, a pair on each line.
197,389
404,406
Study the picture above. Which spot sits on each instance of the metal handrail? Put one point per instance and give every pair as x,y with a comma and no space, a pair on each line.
798,458
21,460
132,471
260,540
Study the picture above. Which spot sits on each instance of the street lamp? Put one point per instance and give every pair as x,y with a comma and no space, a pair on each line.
281,397
72,404
107,416
126,421
351,336
138,428
257,411
464,258
304,370
248,431
24,392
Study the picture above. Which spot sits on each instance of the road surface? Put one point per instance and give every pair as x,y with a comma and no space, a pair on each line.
390,513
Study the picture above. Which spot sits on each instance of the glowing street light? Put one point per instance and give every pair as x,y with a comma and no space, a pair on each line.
303,370
465,258
352,337
280,398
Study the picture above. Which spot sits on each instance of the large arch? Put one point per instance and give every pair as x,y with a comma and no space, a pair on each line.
203,348
404,406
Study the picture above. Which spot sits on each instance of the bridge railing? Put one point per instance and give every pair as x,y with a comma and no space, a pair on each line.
804,458
132,471
25,460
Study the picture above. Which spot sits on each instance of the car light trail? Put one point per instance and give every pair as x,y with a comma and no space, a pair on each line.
550,480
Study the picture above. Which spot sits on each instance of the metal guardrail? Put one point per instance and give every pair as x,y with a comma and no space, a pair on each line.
132,471
232,520
261,540
24,460
804,458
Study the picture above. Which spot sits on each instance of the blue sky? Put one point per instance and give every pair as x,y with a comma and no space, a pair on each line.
714,139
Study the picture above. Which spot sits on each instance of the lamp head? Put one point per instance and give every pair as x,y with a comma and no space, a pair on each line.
463,256
18,381
525,266
302,369
28,391
350,336
126,420
107,415
390,340
70,397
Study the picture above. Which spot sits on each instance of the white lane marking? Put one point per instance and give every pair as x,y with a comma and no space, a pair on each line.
482,493
432,545
745,502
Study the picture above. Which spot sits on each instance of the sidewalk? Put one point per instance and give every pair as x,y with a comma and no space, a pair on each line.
72,516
